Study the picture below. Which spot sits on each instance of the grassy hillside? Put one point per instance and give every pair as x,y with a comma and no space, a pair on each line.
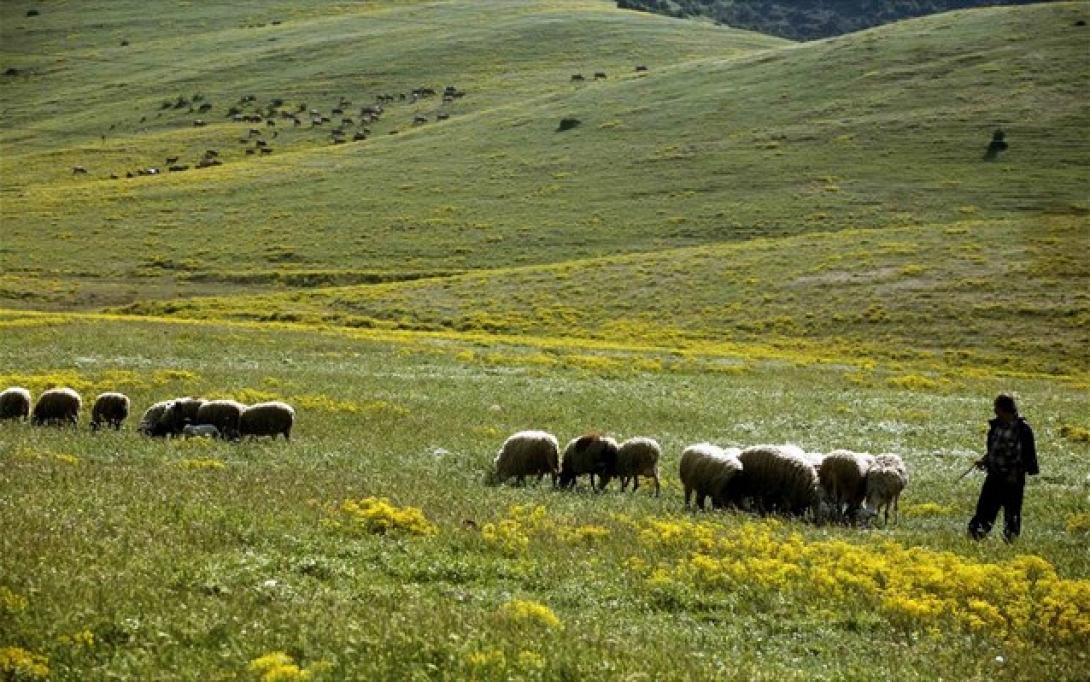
190,559
751,241
881,128
1010,295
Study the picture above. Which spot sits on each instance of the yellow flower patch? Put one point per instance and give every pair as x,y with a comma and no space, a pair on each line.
379,516
528,612
202,464
18,663
10,602
278,667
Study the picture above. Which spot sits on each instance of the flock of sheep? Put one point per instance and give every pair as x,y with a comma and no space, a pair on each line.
187,417
840,486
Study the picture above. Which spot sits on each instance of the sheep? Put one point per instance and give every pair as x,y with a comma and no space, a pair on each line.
200,431
151,423
15,403
576,77
709,471
842,476
589,454
111,408
779,479
223,414
57,406
639,457
267,419
527,453
886,478
79,170
179,413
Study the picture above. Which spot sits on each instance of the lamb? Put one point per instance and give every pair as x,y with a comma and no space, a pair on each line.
527,453
201,431
223,414
842,476
886,478
710,471
267,419
590,454
14,403
639,457
779,479
111,408
57,406
151,423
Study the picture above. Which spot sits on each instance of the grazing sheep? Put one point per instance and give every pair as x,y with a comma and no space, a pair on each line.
599,75
15,403
842,476
641,69
527,453
79,170
639,457
887,477
576,77
152,423
179,413
223,414
57,406
200,431
590,454
710,471
267,419
779,479
111,408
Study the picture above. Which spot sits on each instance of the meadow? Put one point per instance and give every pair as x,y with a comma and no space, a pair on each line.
752,241
194,558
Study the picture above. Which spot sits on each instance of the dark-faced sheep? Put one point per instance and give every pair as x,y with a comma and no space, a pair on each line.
887,478
843,479
710,471
179,412
151,423
57,406
15,403
267,419
110,409
639,457
527,453
590,454
779,479
223,414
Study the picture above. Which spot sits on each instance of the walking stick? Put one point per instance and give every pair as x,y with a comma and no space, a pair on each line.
967,472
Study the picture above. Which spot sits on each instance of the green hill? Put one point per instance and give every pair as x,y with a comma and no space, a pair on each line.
732,137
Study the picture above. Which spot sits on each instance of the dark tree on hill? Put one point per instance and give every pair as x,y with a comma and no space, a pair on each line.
806,19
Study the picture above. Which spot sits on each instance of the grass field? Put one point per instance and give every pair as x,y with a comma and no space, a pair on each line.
754,241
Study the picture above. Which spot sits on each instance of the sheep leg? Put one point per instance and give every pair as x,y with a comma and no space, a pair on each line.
635,483
688,494
624,483
700,496
658,488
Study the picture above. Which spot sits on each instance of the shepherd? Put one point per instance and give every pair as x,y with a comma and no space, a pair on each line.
1011,456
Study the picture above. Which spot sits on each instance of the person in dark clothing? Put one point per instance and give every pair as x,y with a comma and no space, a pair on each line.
1012,455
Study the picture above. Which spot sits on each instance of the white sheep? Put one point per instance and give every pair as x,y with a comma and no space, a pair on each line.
639,457
887,477
778,478
15,403
179,412
589,454
267,419
200,431
842,476
57,406
527,453
223,414
111,408
709,471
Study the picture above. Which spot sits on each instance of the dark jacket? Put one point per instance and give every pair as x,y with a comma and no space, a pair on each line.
1029,446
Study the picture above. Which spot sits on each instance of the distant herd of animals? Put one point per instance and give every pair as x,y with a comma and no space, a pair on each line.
347,128
842,485
187,417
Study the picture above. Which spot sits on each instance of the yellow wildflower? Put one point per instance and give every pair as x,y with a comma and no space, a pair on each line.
528,612
380,516
16,662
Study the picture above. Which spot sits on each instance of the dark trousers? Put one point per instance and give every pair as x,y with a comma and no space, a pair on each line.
1000,490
